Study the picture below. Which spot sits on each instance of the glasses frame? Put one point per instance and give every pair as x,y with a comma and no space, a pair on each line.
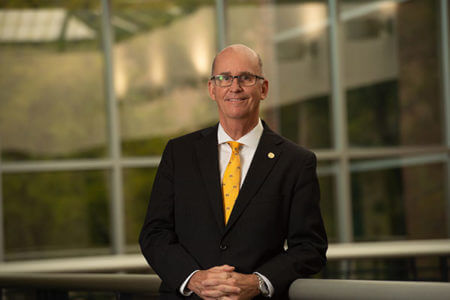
213,78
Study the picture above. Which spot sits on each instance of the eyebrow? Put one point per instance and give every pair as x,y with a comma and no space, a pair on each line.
241,73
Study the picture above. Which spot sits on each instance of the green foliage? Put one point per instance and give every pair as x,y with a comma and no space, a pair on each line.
19,155
289,121
327,206
378,206
137,188
49,3
373,115
307,122
55,211
373,118
70,210
144,147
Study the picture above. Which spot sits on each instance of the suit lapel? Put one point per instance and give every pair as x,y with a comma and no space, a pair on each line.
207,154
266,155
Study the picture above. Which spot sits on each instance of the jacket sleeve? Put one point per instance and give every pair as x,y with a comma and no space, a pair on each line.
158,240
306,238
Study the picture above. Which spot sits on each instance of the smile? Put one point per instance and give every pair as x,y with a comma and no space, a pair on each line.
236,99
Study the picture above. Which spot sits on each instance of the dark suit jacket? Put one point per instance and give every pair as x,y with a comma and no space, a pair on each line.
184,228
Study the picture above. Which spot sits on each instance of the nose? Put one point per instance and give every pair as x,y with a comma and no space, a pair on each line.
235,86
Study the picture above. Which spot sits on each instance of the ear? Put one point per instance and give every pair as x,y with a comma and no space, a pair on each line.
264,89
211,90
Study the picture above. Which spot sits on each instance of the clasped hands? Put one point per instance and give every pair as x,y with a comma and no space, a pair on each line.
223,283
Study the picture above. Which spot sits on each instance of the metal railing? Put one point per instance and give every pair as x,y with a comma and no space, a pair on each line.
120,284
128,283
136,262
367,289
55,278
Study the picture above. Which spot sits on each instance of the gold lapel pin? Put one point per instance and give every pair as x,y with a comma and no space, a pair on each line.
270,155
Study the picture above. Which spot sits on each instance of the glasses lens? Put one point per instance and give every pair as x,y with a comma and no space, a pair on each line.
247,79
223,80
227,80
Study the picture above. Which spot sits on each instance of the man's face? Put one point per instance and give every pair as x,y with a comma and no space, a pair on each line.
237,102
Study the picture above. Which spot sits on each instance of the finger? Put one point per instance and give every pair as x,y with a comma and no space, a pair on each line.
226,266
217,275
213,282
217,294
229,289
213,294
223,268
222,286
219,281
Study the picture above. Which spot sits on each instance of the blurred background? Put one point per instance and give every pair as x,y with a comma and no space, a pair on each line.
85,117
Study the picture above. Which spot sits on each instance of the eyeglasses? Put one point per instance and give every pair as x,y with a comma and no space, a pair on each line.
243,79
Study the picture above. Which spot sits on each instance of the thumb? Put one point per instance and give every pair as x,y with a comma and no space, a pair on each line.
227,268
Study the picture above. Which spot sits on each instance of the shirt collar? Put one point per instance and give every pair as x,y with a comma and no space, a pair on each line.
251,139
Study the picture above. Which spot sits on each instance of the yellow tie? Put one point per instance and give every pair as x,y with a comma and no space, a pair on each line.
231,180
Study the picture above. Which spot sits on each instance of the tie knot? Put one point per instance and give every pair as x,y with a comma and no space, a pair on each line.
235,146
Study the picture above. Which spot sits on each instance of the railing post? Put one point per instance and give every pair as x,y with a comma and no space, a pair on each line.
2,215
117,209
340,134
445,75
221,24
339,117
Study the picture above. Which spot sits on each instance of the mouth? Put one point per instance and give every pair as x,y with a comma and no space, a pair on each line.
237,99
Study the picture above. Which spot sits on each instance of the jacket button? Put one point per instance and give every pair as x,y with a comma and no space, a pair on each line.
223,247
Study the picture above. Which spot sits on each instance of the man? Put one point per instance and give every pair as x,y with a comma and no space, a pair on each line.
226,198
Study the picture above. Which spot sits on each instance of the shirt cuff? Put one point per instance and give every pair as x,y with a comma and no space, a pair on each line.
183,289
268,283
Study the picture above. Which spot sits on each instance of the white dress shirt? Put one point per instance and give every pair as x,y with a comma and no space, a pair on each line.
249,143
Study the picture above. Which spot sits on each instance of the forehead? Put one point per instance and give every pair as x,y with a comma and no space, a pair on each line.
236,62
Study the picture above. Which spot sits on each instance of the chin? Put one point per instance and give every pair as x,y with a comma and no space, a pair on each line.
237,117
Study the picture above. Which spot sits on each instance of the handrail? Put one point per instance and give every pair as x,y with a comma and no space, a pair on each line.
337,289
136,262
300,289
105,263
127,283
392,249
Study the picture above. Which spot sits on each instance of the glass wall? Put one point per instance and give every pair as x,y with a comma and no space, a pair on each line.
52,109
51,82
161,70
359,82
393,87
